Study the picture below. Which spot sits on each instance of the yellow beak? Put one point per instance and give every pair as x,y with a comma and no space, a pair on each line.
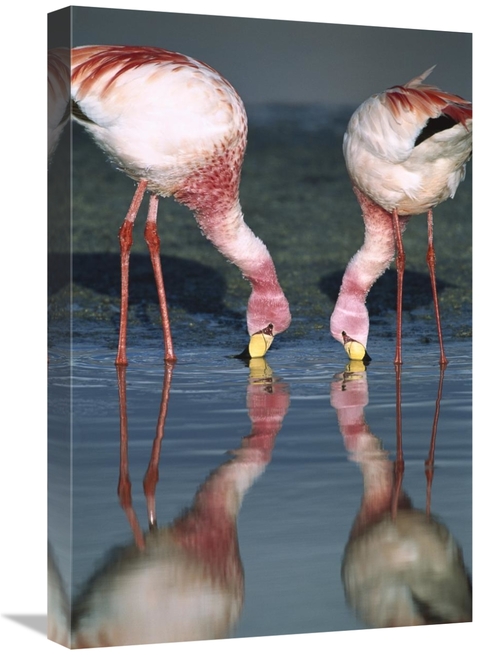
259,344
355,350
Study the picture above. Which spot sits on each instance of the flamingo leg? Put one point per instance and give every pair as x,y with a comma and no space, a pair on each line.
400,268
153,241
125,236
431,263
152,476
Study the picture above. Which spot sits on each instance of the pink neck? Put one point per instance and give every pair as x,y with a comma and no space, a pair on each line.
367,265
212,193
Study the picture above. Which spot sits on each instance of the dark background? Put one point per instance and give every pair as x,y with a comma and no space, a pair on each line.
291,61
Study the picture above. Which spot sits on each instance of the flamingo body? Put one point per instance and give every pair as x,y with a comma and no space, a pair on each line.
179,129
158,115
394,156
405,150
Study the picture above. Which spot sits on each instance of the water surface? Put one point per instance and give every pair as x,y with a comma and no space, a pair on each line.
294,513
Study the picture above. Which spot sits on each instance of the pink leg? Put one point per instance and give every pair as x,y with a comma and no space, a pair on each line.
431,262
400,268
125,236
153,241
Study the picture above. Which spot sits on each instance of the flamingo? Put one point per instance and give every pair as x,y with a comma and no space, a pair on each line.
405,150
178,128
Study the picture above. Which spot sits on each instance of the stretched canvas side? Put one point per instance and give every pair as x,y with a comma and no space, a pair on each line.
59,326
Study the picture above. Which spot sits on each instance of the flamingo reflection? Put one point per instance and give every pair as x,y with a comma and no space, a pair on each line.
401,566
58,605
184,581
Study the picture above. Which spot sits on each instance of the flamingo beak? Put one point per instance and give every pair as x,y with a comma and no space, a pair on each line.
260,342
355,350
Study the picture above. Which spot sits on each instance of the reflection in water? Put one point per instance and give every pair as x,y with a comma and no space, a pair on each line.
57,604
401,566
184,581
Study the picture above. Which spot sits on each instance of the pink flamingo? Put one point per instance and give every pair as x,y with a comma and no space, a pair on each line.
405,151
177,128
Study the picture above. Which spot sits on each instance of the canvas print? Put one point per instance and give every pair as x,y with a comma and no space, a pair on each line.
260,327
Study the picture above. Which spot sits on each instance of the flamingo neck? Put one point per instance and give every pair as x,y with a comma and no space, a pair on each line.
226,229
236,241
212,192
372,259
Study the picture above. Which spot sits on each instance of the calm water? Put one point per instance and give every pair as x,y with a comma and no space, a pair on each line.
287,501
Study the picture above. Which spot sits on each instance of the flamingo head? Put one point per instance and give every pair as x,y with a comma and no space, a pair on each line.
350,313
268,314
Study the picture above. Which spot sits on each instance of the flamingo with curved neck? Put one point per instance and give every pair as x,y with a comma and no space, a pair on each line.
405,151
178,128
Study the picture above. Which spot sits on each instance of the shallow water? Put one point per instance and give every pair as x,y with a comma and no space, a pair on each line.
294,489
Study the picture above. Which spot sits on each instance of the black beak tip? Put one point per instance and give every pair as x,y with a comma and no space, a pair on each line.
244,355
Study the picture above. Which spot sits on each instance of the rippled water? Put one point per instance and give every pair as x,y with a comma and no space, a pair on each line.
320,435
